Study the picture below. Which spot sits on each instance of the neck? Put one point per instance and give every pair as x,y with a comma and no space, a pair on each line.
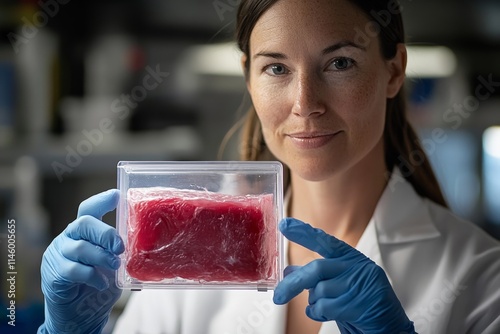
342,205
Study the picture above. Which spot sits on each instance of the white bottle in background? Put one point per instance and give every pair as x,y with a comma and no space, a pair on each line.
35,63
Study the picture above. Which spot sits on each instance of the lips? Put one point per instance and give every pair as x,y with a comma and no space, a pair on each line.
313,134
311,140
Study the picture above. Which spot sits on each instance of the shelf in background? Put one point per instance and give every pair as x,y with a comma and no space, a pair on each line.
78,154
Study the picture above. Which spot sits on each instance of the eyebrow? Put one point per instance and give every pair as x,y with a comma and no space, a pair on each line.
330,49
341,45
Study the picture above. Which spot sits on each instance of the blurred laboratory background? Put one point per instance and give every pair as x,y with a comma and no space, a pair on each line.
85,84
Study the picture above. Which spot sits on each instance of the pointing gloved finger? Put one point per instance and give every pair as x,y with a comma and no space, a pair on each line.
100,204
86,253
313,238
305,277
95,231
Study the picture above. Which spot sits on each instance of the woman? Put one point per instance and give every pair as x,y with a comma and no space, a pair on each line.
325,78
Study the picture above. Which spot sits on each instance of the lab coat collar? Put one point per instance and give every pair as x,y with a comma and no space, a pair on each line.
401,214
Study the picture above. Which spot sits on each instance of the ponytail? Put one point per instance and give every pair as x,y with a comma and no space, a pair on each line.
403,149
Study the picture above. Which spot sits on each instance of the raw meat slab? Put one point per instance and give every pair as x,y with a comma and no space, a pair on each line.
200,235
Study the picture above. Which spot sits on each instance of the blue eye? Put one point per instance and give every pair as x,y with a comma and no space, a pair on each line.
342,63
276,69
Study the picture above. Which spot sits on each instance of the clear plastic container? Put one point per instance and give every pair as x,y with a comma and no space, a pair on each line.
200,225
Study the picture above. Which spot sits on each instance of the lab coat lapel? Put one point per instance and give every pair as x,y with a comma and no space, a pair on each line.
402,215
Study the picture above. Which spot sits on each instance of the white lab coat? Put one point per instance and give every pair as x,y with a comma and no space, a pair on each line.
445,271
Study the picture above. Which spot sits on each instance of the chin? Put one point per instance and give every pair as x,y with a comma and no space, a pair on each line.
314,171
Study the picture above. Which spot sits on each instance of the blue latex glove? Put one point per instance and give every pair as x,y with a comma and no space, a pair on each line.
345,286
78,271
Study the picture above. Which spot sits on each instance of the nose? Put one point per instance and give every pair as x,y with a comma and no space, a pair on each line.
308,100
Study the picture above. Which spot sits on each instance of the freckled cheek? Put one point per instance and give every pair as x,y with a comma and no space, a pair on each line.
271,110
272,127
365,117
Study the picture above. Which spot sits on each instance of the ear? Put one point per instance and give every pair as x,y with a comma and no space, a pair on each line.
397,69
244,58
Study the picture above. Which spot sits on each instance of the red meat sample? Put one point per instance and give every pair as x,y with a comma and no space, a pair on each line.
200,235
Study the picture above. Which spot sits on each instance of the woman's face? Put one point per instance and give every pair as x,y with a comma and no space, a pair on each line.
319,86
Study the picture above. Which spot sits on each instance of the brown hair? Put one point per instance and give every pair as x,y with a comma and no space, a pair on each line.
401,144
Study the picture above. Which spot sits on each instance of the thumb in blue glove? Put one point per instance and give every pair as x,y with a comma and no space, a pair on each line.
344,286
78,270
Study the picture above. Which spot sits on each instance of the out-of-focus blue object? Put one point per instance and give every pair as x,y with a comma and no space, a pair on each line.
345,286
454,160
423,90
78,270
491,179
